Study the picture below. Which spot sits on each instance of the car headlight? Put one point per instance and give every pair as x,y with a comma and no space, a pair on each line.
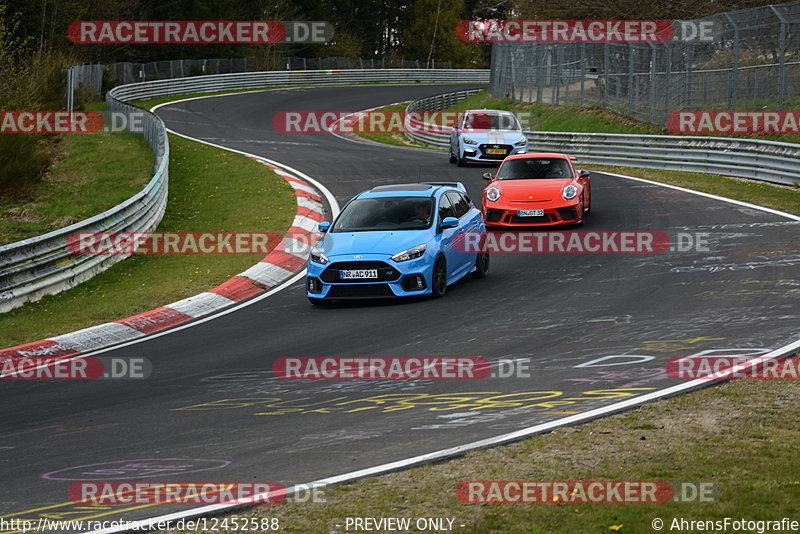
469,141
410,254
318,257
522,142
569,192
492,194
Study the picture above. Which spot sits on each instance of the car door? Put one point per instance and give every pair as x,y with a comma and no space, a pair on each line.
466,223
447,235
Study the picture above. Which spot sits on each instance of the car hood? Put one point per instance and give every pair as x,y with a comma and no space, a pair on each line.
494,137
539,189
379,242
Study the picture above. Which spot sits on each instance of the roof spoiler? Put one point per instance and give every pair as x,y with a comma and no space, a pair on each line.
457,185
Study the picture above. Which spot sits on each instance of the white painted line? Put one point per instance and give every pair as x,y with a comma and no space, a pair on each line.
707,195
460,449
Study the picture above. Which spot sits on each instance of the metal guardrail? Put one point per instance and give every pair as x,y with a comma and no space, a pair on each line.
258,80
769,161
43,265
420,131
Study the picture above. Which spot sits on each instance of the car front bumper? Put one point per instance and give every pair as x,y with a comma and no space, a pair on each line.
395,279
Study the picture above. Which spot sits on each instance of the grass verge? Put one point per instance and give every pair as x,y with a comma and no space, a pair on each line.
90,174
737,436
210,190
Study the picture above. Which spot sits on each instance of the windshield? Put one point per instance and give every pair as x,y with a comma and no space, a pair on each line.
386,213
534,168
490,121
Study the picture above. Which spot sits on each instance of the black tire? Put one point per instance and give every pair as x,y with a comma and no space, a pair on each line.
439,277
460,162
316,302
481,265
453,159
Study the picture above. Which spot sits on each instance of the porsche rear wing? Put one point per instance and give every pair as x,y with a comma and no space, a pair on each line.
457,185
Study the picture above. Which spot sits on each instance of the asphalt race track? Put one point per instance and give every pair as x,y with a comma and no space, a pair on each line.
559,310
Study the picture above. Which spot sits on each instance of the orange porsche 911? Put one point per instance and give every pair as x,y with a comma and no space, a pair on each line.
538,189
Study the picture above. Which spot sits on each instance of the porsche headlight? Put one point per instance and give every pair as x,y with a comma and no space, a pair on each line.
492,194
318,257
569,192
410,254
521,142
469,141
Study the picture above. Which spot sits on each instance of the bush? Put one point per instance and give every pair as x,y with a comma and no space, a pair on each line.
23,162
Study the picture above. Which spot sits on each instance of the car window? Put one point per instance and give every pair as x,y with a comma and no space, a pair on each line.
534,168
460,204
389,213
490,121
445,208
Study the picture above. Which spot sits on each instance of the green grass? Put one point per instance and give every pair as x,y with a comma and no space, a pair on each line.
738,436
209,190
559,118
90,174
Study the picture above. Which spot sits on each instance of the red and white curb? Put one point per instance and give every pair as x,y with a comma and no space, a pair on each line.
283,262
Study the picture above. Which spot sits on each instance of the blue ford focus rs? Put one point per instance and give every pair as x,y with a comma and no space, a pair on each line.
397,241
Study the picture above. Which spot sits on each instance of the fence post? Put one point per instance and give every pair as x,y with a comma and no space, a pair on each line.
781,59
667,80
559,71
733,86
606,68
630,79
653,59
689,62
583,71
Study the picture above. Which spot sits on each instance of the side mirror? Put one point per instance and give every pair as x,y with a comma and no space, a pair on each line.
487,176
583,174
449,222
324,226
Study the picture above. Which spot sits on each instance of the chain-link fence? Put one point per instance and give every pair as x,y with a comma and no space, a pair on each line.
89,80
750,62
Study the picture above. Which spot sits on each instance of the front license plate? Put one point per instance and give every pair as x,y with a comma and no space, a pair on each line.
530,213
495,150
351,274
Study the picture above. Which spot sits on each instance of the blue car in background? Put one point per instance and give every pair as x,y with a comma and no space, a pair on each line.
486,136
397,241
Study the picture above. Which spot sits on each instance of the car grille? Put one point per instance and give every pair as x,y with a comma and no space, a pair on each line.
386,273
360,291
485,155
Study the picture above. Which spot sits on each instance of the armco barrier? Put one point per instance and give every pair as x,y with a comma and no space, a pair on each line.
769,161
42,265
